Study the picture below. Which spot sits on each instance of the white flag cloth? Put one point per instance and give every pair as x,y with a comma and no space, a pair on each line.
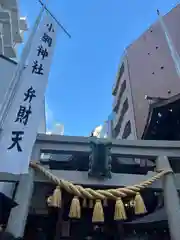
174,53
23,118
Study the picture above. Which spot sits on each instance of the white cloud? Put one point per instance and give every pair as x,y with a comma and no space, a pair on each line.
48,133
52,125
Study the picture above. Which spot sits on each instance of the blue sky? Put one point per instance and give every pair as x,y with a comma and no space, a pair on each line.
84,67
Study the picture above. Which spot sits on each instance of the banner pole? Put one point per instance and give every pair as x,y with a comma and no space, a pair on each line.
58,23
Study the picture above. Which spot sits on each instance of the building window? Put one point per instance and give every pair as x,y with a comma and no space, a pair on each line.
122,89
123,111
121,71
127,130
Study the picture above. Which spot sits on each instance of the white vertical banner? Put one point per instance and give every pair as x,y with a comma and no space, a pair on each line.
21,125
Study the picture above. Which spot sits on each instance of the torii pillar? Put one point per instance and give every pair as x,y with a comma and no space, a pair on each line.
18,215
171,198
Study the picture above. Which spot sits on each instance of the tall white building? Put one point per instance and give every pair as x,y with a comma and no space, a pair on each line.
12,28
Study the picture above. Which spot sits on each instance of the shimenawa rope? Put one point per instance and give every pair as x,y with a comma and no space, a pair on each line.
97,195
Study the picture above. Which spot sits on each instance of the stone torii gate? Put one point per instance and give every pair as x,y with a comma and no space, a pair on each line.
159,151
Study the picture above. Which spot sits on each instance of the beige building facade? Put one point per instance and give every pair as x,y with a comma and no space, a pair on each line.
147,71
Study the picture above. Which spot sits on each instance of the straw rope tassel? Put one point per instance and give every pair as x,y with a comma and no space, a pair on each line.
56,198
119,211
75,208
139,205
98,213
49,201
